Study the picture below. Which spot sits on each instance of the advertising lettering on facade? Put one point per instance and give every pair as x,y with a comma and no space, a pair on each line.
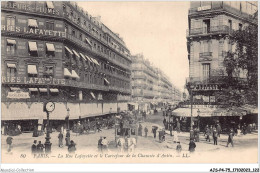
31,8
32,80
36,31
208,7
18,95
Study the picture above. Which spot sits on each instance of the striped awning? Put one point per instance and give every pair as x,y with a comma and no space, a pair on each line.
89,59
14,88
32,69
50,47
87,40
67,73
106,81
68,49
9,65
75,53
33,89
95,61
32,23
74,74
93,95
43,90
32,46
83,56
54,90
9,41
50,4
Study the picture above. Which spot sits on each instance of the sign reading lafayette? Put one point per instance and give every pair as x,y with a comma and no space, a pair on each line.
33,31
32,80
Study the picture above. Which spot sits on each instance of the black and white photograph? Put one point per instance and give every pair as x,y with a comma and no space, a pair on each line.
129,82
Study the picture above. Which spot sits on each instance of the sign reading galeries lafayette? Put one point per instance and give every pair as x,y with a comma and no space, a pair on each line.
36,31
32,80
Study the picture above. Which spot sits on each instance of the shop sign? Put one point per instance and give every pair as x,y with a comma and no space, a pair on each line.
200,106
18,95
206,87
33,80
208,7
33,31
31,8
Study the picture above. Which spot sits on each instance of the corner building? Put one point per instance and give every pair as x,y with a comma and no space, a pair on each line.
211,24
56,51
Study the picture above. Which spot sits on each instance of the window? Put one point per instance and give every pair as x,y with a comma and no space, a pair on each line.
230,25
206,26
240,26
10,21
11,46
66,28
48,71
80,36
50,49
73,33
32,23
49,25
206,70
11,70
33,48
32,70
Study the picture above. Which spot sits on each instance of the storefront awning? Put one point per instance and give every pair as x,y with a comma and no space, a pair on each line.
43,90
32,23
106,81
9,65
50,47
49,4
32,69
9,41
83,56
14,88
88,41
54,90
33,89
93,95
88,58
68,49
251,109
32,46
67,73
75,53
95,61
74,74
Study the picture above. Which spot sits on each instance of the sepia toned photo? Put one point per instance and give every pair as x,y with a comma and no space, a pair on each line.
129,82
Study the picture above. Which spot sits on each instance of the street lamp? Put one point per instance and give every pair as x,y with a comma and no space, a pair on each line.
67,118
198,119
191,100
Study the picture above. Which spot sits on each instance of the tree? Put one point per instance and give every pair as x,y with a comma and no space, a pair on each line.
244,58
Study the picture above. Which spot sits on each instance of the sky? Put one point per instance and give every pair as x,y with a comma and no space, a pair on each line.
155,29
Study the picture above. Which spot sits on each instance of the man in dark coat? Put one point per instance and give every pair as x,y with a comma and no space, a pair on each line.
34,147
9,141
192,146
145,131
170,128
67,139
40,147
60,140
154,132
230,138
140,129
100,147
72,147
215,137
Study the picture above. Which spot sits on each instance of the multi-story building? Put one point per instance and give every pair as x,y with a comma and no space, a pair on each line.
57,51
211,24
151,88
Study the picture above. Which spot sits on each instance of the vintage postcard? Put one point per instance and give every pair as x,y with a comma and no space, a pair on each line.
129,82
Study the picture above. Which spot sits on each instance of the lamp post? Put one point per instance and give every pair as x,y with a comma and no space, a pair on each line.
48,107
198,119
191,100
67,118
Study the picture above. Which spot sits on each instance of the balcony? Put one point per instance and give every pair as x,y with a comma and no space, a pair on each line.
221,29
